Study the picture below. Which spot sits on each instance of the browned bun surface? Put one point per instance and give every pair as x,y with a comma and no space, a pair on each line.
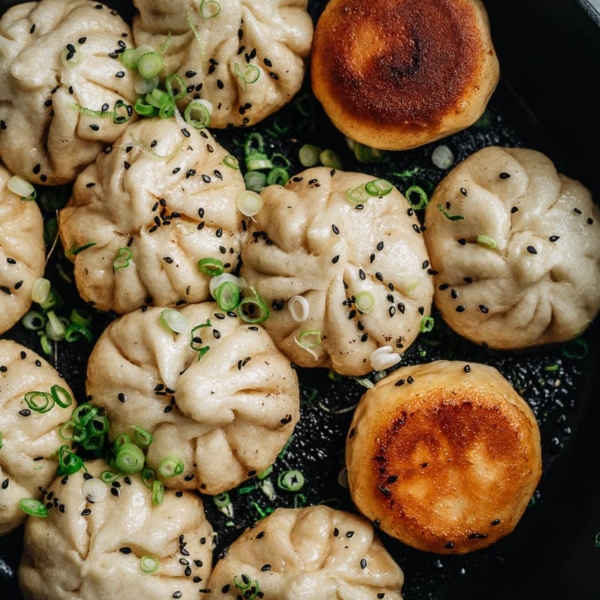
396,74
444,456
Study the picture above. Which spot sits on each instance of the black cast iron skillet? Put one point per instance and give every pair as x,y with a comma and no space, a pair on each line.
549,52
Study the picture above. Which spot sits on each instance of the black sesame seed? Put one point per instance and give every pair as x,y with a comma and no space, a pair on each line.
462,241
495,522
335,229
531,250
125,550
5,484
335,259
363,563
463,191
504,175
484,309
25,412
120,74
590,221
554,238
460,308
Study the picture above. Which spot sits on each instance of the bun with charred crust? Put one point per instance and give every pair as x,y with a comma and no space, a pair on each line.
396,74
444,456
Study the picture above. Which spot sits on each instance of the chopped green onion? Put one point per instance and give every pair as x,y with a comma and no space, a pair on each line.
21,187
304,103
209,9
150,64
407,173
365,302
249,203
227,296
222,500
249,74
249,588
210,266
252,304
383,358
448,215
299,308
117,115
378,187
173,320
487,241
358,195
427,324
330,159
61,396
411,290
55,327
254,143
40,402
158,492
175,86
129,58
51,300
231,162
45,344
130,459
196,340
73,251
264,474
84,413
41,290
121,440
258,161
255,181
291,481
81,317
442,157
198,113
97,425
309,155
366,154
68,462
309,339
300,500
170,466
33,320
143,108
420,192
551,368
278,176
142,437
94,490
575,349
148,475
123,258
109,476
33,507
148,564
75,333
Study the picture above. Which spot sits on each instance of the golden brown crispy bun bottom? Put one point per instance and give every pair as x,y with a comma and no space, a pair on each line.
396,74
444,456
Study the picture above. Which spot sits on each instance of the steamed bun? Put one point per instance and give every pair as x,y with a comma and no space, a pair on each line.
162,200
444,456
226,409
308,554
29,438
339,253
22,253
64,96
246,57
516,247
86,550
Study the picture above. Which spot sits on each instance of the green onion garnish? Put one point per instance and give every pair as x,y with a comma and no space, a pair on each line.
249,203
330,159
61,396
209,9
210,266
130,459
254,143
378,187
158,491
448,215
278,176
68,462
227,296
170,466
291,481
150,64
142,437
255,181
250,305
196,340
173,320
309,155
33,320
33,508
427,324
249,588
576,349
74,250
41,290
487,241
71,56
148,475
175,86
247,74
148,564
40,402
197,114
365,302
258,161
123,258
366,154
309,339
420,192
231,162
21,187
109,476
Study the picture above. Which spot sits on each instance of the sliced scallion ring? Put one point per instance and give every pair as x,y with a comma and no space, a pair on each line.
291,481
209,9
41,290
128,58
299,308
330,159
427,324
231,162
71,56
212,267
33,507
383,358
365,302
33,320
197,113
378,187
94,490
420,192
158,492
40,402
21,187
173,320
142,437
130,459
109,476
247,74
222,500
255,181
170,466
249,203
487,241
68,462
258,161
442,157
148,475
148,564
227,296
309,339
448,215
123,258
309,155
249,306
150,64
175,86
278,176
55,327
61,396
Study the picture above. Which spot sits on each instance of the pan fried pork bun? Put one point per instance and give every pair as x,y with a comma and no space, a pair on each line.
396,74
22,252
343,272
34,402
96,544
64,95
522,266
308,554
445,456
246,57
219,395
162,200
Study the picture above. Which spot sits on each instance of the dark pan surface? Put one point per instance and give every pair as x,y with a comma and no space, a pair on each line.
550,59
